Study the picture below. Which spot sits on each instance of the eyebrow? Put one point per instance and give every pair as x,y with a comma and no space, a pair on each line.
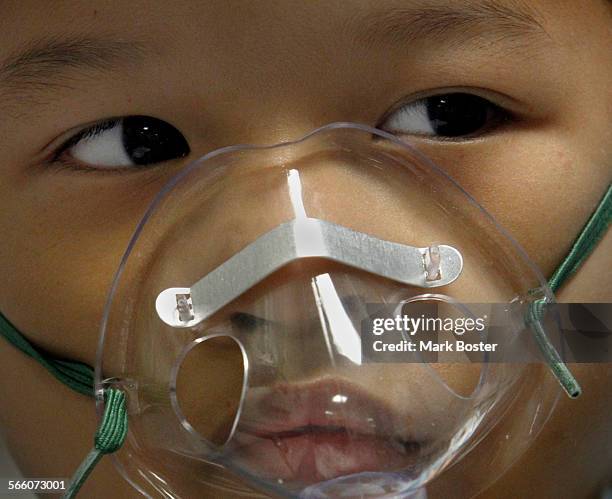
450,22
50,62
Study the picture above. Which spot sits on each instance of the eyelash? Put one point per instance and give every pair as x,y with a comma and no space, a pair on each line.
86,133
59,163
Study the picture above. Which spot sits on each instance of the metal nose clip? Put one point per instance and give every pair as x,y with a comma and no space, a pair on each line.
427,267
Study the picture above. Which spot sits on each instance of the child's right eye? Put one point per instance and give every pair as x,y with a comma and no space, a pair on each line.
133,141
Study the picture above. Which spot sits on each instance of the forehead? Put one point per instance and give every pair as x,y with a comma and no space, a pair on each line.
232,26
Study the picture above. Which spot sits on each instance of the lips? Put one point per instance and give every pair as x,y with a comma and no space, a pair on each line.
312,432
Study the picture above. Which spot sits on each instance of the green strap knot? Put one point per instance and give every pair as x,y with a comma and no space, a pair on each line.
113,429
109,438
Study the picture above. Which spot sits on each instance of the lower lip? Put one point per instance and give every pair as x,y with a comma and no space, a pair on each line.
315,456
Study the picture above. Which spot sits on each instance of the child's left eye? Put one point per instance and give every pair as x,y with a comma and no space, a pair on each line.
452,116
125,142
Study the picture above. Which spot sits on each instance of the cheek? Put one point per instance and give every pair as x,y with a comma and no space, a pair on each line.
539,187
578,427
63,244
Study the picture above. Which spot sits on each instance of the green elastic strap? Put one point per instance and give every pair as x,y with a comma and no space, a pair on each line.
80,377
565,377
592,232
590,235
76,375
109,438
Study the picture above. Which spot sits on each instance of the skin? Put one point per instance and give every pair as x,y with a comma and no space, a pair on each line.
226,73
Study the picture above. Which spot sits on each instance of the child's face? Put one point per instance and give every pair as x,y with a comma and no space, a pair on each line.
223,73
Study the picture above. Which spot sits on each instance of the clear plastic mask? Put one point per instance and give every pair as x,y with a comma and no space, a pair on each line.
239,326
